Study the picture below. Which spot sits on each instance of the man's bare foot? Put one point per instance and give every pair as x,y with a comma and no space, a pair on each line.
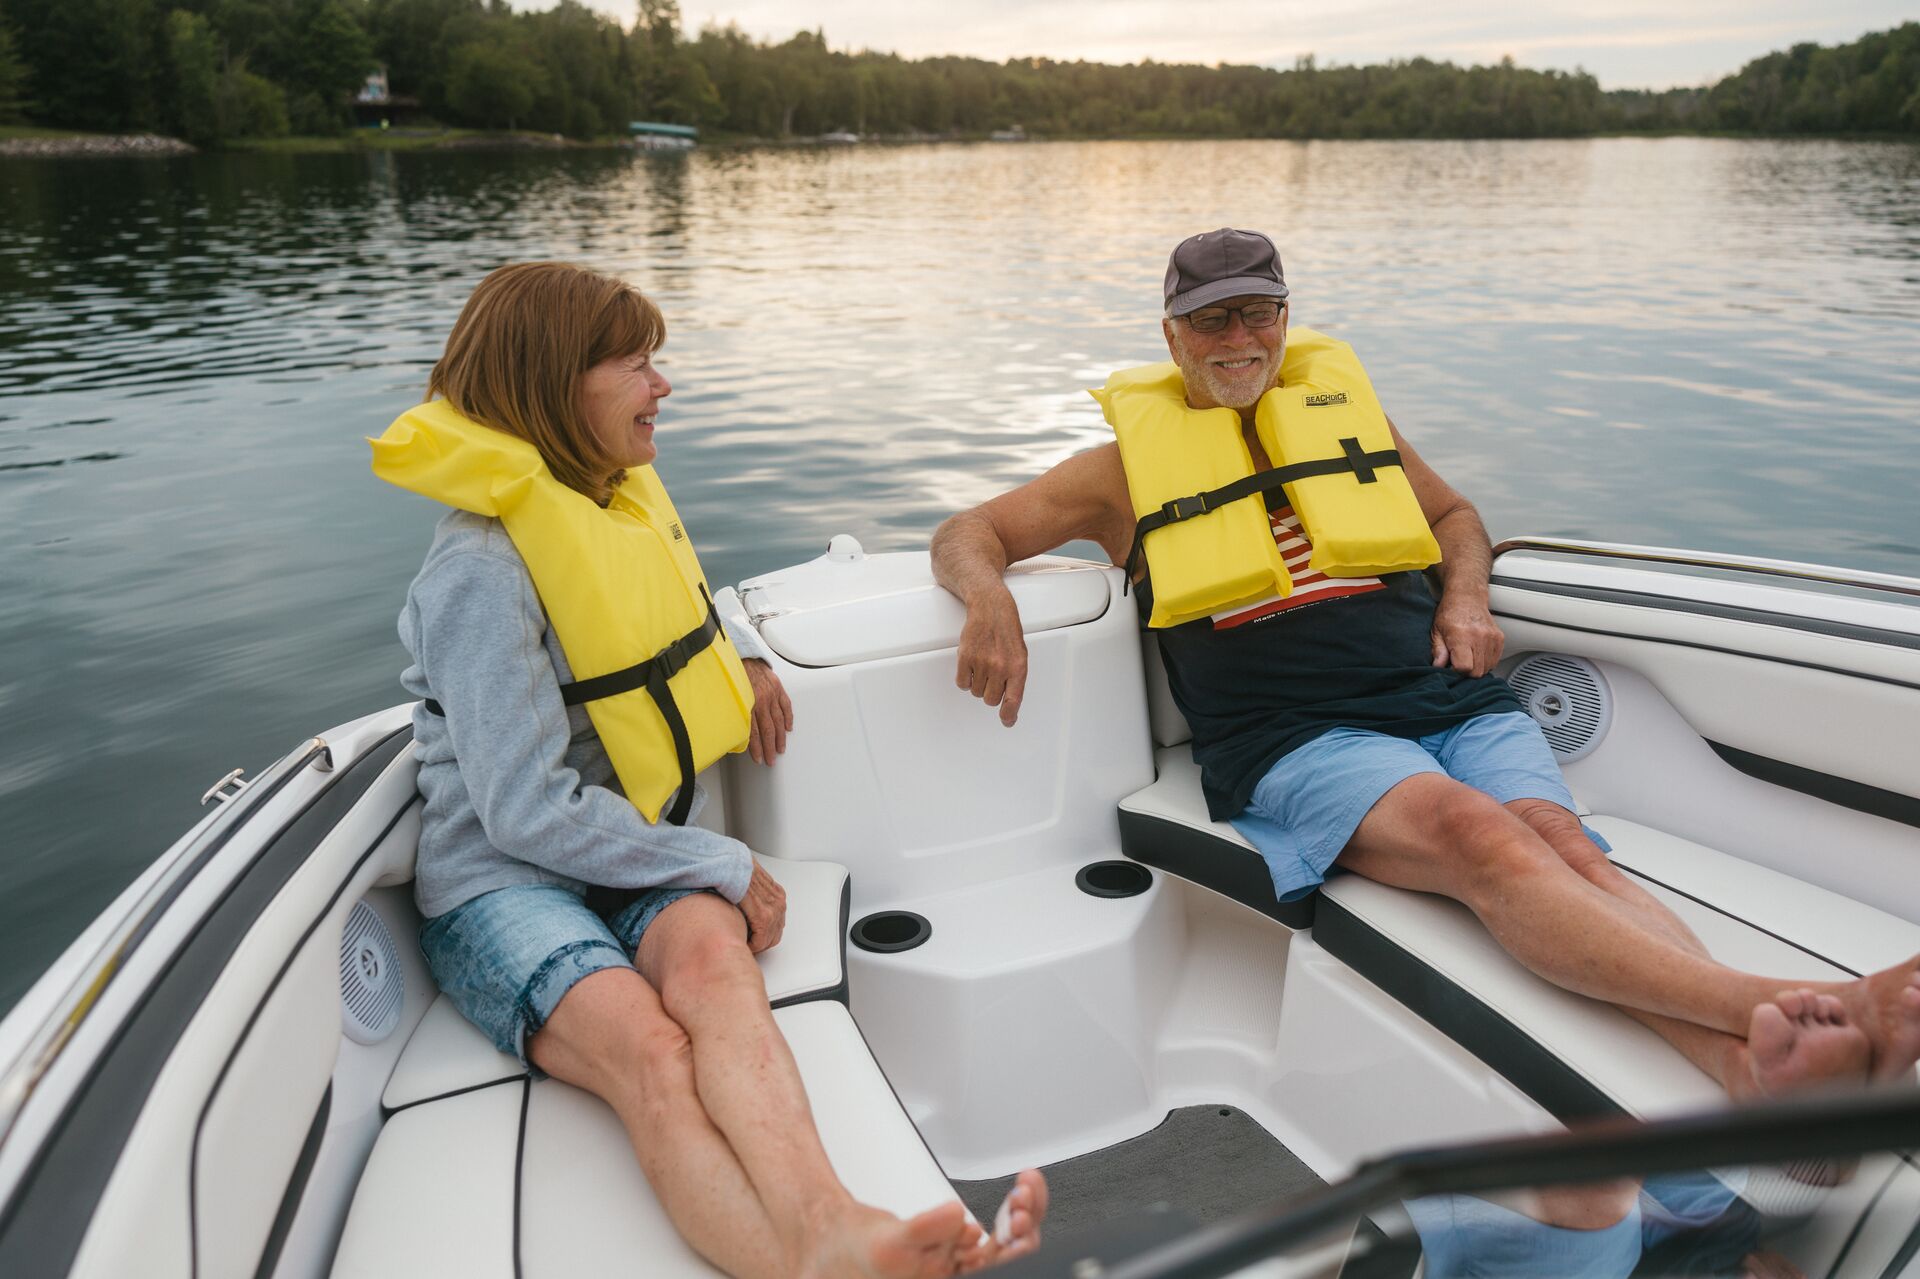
870,1244
1801,1040
1886,1005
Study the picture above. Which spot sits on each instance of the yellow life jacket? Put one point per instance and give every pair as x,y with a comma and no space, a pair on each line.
1202,520
622,590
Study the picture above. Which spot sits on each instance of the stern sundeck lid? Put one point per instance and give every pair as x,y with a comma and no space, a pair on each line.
848,606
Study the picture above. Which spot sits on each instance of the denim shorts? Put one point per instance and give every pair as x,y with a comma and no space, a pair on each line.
507,957
1311,801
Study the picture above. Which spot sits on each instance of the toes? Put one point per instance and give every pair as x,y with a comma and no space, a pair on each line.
1792,1002
1770,1022
1832,1010
979,1254
1036,1185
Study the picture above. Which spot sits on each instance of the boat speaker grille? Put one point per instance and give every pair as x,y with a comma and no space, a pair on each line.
372,987
1568,698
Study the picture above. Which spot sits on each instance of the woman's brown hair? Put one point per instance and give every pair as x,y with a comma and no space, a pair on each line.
515,356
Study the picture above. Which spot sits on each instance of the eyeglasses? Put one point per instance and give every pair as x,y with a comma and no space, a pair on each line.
1255,315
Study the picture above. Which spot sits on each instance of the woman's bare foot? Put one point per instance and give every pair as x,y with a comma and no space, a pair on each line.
1016,1227
1886,1005
870,1244
1801,1040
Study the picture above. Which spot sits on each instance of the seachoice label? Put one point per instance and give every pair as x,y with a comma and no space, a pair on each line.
1322,401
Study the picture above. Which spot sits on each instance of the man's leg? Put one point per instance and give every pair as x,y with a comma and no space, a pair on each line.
1802,1039
610,1036
1562,831
696,954
1433,834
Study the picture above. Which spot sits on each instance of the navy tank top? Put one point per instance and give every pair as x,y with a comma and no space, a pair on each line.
1266,678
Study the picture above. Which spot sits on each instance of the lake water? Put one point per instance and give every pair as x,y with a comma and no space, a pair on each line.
1688,342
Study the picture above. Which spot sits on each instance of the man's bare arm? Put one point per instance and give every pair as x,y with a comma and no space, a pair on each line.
1465,635
1083,497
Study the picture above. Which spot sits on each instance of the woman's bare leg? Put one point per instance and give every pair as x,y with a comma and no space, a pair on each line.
611,1037
696,955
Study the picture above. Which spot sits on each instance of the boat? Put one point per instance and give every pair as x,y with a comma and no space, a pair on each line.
1024,947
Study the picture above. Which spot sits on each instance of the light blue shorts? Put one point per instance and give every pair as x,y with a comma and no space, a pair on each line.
1465,1237
506,958
1311,801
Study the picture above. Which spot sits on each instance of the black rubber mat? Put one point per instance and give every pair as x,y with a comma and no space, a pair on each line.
1205,1162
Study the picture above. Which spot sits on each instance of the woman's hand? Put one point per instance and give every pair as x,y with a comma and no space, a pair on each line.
772,713
765,906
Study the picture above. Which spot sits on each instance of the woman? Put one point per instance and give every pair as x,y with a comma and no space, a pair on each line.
571,912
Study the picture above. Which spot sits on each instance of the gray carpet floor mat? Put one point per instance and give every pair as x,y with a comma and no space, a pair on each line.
1207,1162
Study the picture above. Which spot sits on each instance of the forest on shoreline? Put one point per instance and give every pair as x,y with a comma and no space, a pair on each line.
212,71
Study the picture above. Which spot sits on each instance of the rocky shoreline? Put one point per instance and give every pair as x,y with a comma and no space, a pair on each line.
96,144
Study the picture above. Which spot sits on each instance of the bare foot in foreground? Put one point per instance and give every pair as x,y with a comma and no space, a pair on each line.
1801,1040
1016,1227
1886,1005
871,1244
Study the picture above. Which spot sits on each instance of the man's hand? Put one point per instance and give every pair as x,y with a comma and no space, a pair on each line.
993,656
772,713
1465,636
765,907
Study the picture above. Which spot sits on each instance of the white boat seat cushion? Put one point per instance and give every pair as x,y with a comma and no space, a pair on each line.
1574,1056
1165,825
448,1054
456,1186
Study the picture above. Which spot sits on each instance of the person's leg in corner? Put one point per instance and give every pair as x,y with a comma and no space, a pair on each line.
1802,1039
1433,834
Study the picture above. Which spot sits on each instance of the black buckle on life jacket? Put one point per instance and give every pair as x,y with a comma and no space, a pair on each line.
1185,508
652,675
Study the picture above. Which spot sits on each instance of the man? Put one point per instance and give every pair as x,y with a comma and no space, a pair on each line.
1355,721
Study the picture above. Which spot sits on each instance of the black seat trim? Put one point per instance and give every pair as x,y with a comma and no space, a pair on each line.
1463,1017
1211,862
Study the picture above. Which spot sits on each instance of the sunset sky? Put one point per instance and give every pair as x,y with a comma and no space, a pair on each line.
1627,43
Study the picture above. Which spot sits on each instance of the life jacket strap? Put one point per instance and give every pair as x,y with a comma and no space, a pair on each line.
651,675
1353,458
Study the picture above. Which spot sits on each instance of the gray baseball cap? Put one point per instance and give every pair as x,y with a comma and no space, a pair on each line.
1210,267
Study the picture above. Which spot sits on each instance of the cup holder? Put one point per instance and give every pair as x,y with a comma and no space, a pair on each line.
1114,879
888,932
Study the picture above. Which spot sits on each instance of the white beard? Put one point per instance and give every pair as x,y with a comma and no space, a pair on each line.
1226,394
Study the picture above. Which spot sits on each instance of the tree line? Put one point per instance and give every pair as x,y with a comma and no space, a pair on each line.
209,70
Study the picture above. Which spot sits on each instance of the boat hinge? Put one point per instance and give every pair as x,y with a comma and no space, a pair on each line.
227,789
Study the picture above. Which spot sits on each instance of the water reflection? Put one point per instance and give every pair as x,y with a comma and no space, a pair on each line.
1815,1218
1678,341
1684,1223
